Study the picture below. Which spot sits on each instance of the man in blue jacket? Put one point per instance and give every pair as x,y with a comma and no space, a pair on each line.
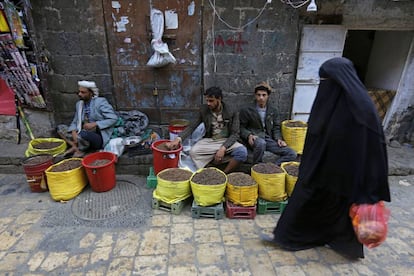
260,128
93,122
222,126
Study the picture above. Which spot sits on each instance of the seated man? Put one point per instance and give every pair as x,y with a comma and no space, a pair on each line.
220,138
260,129
92,124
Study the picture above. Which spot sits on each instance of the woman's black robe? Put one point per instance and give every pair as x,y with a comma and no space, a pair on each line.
344,161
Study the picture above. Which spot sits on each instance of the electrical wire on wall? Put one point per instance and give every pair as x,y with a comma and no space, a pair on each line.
293,3
240,28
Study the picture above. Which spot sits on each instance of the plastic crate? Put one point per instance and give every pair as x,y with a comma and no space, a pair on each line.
270,207
243,212
214,211
175,208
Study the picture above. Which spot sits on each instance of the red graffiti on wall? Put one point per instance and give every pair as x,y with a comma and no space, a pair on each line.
236,43
219,41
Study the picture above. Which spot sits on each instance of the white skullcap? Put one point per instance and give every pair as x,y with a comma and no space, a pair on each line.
91,85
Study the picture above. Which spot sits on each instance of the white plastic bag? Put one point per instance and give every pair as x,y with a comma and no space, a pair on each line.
116,146
185,162
198,133
162,55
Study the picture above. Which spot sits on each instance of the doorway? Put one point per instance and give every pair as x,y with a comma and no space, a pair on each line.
379,58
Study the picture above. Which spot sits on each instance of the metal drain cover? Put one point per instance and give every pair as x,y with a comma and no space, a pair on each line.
90,205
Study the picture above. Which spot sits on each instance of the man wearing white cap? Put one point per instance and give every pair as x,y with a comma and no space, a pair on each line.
93,123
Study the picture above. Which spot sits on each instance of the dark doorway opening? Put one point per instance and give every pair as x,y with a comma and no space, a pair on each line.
379,57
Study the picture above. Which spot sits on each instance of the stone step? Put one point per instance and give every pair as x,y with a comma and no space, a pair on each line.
401,160
12,154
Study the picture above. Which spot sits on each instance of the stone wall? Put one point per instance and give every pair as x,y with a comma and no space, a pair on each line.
73,37
236,59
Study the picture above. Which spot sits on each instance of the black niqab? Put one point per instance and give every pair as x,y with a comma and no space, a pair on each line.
345,148
344,161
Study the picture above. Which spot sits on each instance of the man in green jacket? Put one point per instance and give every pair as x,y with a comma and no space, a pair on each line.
260,128
222,126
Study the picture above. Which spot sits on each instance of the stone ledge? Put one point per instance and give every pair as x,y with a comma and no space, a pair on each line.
401,161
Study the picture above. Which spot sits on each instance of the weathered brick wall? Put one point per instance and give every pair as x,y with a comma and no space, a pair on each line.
72,34
237,59
379,14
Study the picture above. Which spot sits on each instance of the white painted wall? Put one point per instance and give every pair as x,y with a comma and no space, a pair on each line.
387,59
405,95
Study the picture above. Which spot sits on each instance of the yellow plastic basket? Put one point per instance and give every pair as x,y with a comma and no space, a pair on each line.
68,184
207,195
32,150
294,136
242,195
271,186
172,191
290,179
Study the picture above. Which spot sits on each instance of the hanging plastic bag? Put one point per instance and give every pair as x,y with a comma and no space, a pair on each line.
370,223
162,55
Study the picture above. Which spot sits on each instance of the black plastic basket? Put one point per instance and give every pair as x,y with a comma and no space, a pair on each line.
138,149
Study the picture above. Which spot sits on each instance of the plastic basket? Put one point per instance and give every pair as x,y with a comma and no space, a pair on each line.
271,186
207,195
294,136
66,185
241,195
290,179
32,150
170,191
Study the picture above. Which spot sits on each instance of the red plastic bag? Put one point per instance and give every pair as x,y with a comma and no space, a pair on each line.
370,222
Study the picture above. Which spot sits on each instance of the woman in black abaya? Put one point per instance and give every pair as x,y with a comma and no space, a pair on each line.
344,161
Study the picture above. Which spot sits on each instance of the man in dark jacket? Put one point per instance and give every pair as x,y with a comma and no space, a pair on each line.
222,126
260,128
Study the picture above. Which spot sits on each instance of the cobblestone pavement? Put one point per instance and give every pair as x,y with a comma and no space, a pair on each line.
168,244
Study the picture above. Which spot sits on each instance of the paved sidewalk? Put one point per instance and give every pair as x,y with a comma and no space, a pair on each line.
166,244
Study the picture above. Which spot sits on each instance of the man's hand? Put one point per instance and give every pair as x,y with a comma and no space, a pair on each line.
218,157
251,139
173,145
90,126
281,143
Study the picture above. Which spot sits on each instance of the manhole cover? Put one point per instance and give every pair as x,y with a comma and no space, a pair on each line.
90,205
